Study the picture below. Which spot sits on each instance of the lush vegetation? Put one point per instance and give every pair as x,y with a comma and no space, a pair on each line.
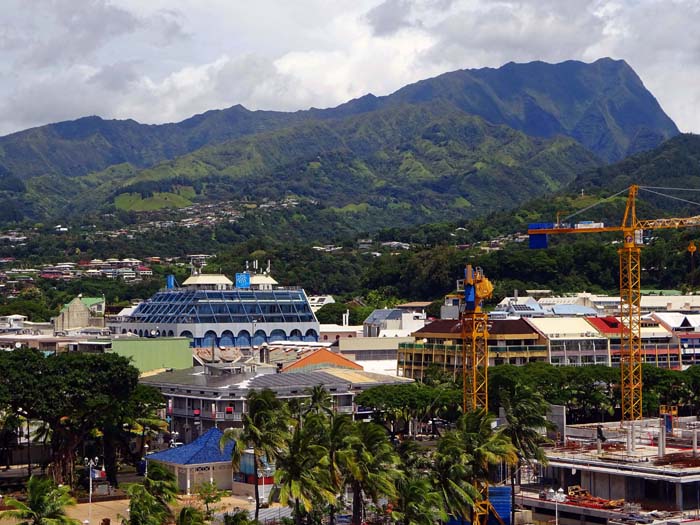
45,505
76,396
319,453
371,155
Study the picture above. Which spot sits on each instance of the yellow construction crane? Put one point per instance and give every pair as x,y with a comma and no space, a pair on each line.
475,334
632,230
475,363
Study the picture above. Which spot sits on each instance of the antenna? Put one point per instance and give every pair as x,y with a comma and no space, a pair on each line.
269,267
247,266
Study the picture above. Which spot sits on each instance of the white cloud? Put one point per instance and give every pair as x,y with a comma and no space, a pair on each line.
165,60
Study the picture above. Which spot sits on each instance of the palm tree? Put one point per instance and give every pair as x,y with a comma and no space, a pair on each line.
302,474
160,483
526,415
190,516
452,476
332,430
370,466
45,505
265,429
483,447
320,401
417,502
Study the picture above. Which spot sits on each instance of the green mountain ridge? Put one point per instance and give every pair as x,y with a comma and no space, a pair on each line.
84,165
673,164
431,159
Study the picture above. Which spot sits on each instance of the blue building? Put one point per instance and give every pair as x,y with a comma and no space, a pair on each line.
211,311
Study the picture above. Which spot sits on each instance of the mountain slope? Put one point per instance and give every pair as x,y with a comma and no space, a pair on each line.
429,160
603,105
674,164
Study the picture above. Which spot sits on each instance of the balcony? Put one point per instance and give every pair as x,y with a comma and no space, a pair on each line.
438,350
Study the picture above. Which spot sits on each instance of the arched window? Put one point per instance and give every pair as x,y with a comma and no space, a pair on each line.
243,338
259,338
277,335
209,339
295,335
227,338
311,335
187,334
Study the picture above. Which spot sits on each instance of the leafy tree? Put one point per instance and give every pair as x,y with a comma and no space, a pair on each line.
60,395
45,505
331,313
136,417
209,494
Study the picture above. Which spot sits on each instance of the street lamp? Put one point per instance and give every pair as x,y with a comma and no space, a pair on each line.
558,497
145,458
90,463
261,474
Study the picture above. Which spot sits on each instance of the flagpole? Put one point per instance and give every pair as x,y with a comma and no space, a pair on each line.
90,463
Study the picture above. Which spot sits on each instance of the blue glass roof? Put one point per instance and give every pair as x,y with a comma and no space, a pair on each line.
204,449
225,306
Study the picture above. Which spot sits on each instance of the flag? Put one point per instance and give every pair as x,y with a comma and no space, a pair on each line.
97,473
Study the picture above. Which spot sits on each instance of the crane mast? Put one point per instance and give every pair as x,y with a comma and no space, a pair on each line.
475,362
630,295
475,334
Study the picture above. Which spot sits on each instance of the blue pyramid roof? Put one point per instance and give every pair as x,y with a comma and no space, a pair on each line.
204,449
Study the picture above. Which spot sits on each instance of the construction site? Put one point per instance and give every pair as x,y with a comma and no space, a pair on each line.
647,472
636,470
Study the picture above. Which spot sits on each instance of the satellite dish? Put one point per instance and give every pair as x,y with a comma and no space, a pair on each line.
153,333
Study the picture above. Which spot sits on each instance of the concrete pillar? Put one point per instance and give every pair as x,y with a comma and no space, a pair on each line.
188,481
211,473
679,496
695,442
662,439
633,437
599,446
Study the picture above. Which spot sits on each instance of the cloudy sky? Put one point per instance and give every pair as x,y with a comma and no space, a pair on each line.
165,60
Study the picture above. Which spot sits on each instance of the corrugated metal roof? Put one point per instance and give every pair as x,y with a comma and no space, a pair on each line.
564,327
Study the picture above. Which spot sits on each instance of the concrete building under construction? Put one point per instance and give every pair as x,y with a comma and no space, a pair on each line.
648,472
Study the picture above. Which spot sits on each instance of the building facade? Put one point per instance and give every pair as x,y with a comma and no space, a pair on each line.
210,311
